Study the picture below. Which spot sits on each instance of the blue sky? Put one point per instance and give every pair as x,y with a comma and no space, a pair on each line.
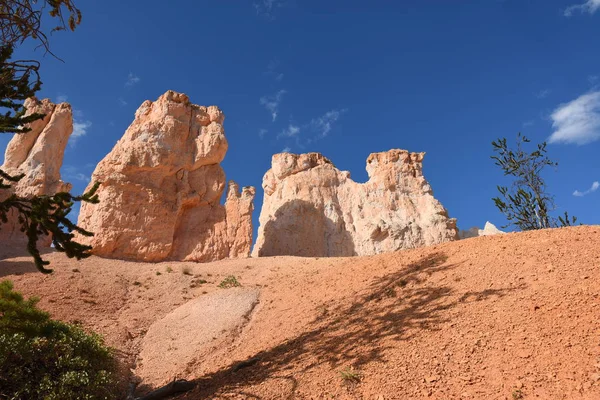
348,78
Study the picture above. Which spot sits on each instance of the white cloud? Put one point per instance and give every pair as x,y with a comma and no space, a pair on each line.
595,186
262,133
528,123
577,121
324,124
590,6
132,79
272,102
272,66
593,79
72,173
80,127
542,94
266,8
286,149
61,98
272,70
291,131
122,102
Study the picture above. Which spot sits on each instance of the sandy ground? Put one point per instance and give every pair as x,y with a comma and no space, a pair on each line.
503,317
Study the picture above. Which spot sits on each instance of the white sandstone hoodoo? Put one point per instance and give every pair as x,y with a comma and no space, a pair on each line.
312,209
161,187
38,154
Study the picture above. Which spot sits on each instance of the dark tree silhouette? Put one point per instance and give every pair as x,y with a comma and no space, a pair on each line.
527,204
44,214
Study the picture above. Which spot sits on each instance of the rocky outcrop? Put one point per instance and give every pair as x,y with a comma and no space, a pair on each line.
192,332
238,210
38,154
161,187
488,229
312,209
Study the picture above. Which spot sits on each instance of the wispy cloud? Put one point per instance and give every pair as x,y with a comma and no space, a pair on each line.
590,7
272,102
318,128
132,79
262,133
267,8
577,121
286,149
72,173
122,102
542,94
595,186
324,123
80,128
291,131
529,123
272,66
273,70
62,98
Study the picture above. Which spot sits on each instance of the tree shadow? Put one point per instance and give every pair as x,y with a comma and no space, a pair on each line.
395,307
301,229
11,258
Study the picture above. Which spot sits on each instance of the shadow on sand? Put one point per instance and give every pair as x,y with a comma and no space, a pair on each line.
395,307
15,260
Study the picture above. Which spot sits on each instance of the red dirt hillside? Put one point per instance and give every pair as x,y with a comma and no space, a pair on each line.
513,316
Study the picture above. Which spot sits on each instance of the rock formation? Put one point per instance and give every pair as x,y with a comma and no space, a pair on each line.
192,332
161,187
489,229
313,209
38,154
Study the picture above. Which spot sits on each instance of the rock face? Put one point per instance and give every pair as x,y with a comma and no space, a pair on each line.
161,187
191,332
489,229
312,209
38,154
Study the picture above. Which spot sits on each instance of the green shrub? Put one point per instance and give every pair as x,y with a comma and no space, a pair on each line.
45,359
349,374
229,282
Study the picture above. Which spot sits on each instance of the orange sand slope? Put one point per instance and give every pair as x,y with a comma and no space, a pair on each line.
502,317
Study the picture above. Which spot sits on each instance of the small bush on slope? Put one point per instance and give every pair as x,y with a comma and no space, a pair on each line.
229,282
45,359
526,204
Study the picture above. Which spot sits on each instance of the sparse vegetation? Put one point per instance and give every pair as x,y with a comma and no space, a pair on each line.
186,271
197,282
323,311
158,273
45,359
526,204
169,270
229,282
517,394
349,374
